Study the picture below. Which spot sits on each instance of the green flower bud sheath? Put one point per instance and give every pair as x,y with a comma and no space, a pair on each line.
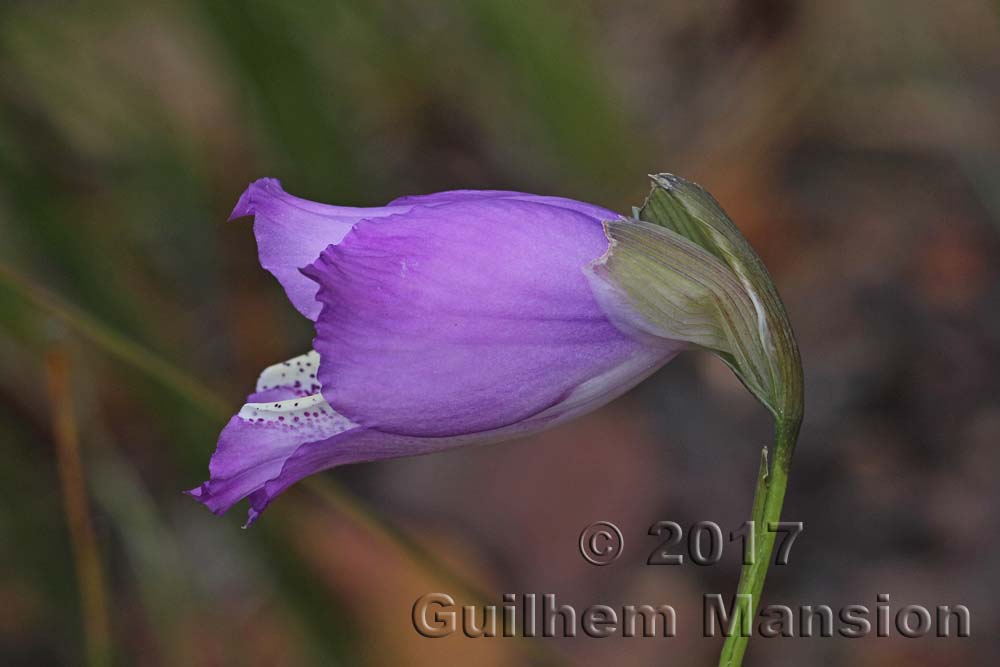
690,275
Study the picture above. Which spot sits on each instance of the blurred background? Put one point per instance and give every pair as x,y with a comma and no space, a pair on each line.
854,142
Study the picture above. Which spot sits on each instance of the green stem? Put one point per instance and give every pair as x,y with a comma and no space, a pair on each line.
770,496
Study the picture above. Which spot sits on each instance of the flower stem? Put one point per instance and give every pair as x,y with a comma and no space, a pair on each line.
770,496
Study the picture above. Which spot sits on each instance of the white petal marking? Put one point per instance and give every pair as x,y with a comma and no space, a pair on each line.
298,373
311,417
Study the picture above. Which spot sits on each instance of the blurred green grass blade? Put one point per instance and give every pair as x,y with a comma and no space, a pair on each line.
115,344
99,639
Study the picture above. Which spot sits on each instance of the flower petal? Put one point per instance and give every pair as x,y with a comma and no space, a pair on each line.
269,446
361,444
255,444
462,318
452,196
291,232
354,446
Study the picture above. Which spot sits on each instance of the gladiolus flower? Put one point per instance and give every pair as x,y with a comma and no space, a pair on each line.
477,316
441,320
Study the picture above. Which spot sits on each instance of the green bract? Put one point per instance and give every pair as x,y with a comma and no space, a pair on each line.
689,275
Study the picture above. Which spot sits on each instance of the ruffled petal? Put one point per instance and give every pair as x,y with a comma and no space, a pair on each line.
255,444
353,446
291,232
463,318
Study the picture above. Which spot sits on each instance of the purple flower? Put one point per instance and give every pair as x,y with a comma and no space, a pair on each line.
441,320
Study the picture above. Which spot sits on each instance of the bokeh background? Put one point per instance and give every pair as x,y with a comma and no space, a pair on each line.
854,142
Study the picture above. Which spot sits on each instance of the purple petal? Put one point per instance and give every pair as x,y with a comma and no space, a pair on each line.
279,417
260,460
255,444
360,444
453,196
291,232
353,446
463,318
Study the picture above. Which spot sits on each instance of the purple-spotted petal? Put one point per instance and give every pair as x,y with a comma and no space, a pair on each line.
361,444
268,447
462,318
278,418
